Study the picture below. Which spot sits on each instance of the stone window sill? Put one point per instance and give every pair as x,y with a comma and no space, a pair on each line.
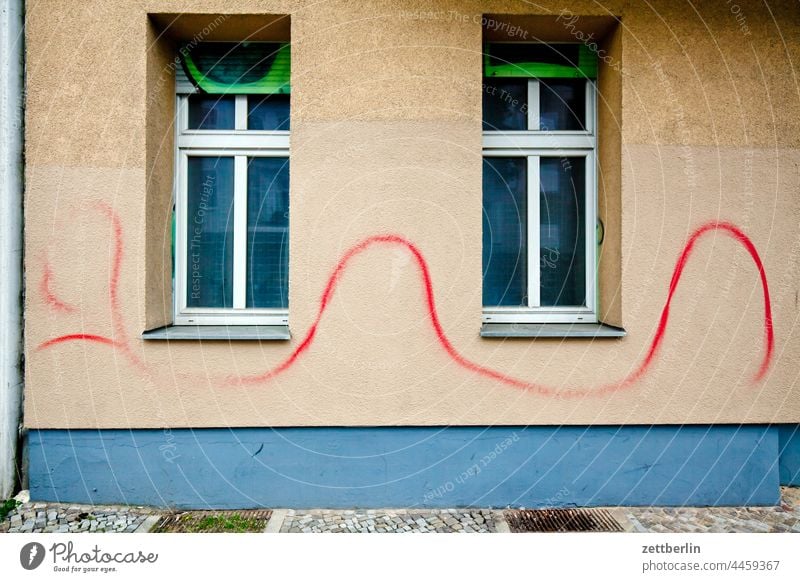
219,333
551,330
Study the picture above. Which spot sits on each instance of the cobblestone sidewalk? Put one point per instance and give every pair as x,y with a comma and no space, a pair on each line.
784,518
56,518
397,521
52,517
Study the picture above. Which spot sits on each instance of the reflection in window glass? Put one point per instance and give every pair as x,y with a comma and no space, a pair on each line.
505,248
212,112
562,104
268,232
562,243
505,104
210,232
268,113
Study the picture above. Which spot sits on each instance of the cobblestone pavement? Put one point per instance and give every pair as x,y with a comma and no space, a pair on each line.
53,517
391,521
56,518
783,518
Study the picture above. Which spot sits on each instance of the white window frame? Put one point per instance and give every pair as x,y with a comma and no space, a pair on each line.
240,144
534,144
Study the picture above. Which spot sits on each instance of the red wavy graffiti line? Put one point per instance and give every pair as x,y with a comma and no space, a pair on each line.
121,342
86,337
46,290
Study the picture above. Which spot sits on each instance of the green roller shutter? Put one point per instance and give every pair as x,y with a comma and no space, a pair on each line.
554,61
238,68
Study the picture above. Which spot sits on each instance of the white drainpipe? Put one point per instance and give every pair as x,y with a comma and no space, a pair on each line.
12,46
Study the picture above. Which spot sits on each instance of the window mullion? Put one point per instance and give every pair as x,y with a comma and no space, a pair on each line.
240,113
591,232
240,232
183,113
533,234
182,247
533,105
590,108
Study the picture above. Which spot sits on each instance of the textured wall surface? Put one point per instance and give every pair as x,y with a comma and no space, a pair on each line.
386,139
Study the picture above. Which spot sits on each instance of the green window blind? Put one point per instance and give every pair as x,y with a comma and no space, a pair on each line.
554,61
257,68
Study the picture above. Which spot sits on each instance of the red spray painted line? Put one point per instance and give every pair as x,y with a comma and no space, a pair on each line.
85,337
116,268
769,333
121,342
46,290
305,344
117,321
456,356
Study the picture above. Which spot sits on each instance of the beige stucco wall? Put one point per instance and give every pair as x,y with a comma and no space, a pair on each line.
703,124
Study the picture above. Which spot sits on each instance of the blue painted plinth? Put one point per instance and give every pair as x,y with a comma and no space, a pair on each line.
789,443
408,467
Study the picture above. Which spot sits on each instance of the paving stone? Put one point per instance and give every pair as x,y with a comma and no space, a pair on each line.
52,517
721,519
384,521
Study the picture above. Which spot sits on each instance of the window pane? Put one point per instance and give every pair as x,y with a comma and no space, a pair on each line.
211,112
505,104
562,238
268,232
268,113
562,104
210,232
505,249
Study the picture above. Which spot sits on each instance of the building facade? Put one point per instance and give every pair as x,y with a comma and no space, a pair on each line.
411,254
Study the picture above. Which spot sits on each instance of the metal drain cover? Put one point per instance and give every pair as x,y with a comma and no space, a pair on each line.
560,520
254,520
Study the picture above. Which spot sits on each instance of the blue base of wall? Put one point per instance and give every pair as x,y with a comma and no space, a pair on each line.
789,443
409,467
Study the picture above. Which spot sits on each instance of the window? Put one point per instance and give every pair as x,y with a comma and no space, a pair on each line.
232,184
539,192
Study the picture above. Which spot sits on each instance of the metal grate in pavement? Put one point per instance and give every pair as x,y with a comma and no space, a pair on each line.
560,520
254,520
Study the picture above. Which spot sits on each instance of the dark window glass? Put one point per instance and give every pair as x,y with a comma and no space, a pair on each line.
268,113
505,248
562,104
505,104
268,232
562,243
211,112
210,232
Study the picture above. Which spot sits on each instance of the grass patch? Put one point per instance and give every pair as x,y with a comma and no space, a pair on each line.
7,507
230,523
211,522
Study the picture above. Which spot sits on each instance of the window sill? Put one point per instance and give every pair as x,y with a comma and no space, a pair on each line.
551,330
220,333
